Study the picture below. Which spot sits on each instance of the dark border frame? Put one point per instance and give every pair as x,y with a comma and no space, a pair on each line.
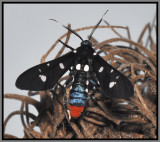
87,2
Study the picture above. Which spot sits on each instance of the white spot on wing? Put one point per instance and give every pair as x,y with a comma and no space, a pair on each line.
43,78
117,77
101,69
87,82
95,53
70,87
40,70
61,65
112,70
86,90
86,68
111,84
78,66
75,51
48,64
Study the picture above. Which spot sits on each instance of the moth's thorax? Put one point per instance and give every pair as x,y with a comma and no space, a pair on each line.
85,50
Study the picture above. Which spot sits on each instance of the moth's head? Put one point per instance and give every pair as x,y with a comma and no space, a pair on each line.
86,43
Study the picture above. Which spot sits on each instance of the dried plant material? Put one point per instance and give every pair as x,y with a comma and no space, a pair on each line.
103,118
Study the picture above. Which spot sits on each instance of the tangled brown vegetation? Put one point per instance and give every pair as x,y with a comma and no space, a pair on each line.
103,118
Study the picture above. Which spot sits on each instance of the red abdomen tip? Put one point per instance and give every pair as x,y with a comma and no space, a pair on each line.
75,111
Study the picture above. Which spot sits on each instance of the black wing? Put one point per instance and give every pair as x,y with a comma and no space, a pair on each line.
45,76
113,83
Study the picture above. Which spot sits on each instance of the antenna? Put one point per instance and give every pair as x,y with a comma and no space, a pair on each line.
66,45
72,31
95,27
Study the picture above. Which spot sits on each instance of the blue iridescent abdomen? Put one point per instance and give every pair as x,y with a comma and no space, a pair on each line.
78,95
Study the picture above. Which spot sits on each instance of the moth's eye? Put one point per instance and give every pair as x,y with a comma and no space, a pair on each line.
90,43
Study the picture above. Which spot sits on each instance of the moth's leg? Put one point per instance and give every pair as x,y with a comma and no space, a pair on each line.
94,83
91,96
68,82
66,110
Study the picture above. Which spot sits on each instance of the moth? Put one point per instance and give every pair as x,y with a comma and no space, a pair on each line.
84,61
